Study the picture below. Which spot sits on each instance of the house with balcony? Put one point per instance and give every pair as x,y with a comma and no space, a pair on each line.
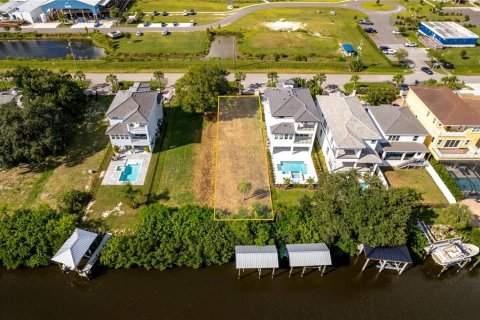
348,136
453,125
135,116
291,119
403,136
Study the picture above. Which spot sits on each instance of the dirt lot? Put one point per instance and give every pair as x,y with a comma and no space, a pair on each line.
241,155
203,182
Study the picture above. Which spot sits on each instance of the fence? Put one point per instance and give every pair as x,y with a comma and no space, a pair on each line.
441,185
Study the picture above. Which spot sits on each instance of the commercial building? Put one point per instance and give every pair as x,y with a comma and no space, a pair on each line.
449,34
453,125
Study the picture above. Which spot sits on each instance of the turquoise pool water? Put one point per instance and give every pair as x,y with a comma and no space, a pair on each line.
465,184
292,166
130,172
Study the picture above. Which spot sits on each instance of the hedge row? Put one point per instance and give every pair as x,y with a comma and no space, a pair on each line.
447,179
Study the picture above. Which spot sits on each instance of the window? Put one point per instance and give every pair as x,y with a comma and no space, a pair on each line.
393,138
434,120
428,113
467,142
476,130
374,141
439,142
415,138
451,143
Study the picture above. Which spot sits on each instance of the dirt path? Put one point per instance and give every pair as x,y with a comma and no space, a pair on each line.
204,167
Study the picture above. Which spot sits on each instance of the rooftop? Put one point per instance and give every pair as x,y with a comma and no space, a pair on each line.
348,121
397,120
296,103
308,255
450,30
396,254
247,257
73,250
448,107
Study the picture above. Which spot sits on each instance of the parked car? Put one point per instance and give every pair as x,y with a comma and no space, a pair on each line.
146,23
410,44
331,88
163,24
155,13
389,51
427,70
165,32
383,48
138,33
175,23
164,13
370,30
404,87
396,32
192,23
185,13
366,22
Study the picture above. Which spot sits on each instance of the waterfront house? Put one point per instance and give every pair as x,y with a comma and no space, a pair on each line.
347,135
453,125
135,116
291,119
402,136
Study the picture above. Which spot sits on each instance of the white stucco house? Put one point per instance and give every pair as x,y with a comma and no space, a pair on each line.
135,116
348,136
291,119
28,10
403,136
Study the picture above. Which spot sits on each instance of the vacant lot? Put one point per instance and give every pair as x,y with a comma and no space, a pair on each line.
420,180
241,156
177,43
180,5
314,33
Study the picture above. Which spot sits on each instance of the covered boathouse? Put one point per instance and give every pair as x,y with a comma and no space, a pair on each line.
256,257
392,258
308,255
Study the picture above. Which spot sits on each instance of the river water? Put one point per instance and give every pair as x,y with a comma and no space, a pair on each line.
215,293
82,49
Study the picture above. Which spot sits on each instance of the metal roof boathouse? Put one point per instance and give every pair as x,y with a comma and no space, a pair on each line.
308,255
256,257
393,258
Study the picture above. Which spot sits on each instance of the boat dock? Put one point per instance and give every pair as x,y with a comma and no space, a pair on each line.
87,269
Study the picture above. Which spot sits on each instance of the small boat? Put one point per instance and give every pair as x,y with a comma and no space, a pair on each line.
454,253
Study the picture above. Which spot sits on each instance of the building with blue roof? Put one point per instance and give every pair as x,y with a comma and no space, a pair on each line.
449,34
348,49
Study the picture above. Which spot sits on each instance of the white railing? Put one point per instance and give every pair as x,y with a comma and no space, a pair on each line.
441,185
468,155
445,133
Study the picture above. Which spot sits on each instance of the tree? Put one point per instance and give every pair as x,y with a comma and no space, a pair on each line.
113,80
287,182
3,78
357,66
244,187
300,82
463,54
398,79
80,77
239,78
431,55
378,96
114,13
310,181
74,202
199,88
159,76
355,79
401,55
457,215
130,195
53,104
272,78
320,78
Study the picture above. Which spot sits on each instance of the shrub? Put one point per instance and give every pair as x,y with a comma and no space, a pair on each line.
447,179
357,66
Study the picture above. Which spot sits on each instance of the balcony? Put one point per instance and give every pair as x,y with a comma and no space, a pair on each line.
137,128
472,153
445,133
305,128
305,141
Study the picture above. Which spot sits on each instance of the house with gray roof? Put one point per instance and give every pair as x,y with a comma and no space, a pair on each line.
347,135
291,118
135,116
403,136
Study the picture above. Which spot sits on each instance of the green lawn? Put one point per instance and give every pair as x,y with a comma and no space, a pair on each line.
180,5
424,11
176,43
290,197
319,37
199,19
363,87
420,180
377,7
174,178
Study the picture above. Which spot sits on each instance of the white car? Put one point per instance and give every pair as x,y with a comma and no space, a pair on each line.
389,51
396,32
410,44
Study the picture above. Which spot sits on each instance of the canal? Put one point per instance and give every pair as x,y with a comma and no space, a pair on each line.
51,49
215,293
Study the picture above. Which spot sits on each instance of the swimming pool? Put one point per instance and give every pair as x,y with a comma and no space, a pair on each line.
472,184
292,166
130,172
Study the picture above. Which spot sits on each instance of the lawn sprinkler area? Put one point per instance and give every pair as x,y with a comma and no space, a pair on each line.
241,159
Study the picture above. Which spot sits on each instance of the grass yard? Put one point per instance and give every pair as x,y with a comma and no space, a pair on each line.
363,87
420,180
290,197
185,43
180,5
199,19
377,7
319,37
241,156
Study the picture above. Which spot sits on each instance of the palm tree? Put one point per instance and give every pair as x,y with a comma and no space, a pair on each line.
159,76
239,77
79,77
113,80
310,182
445,80
272,78
398,79
244,187
130,195
320,78
355,79
287,181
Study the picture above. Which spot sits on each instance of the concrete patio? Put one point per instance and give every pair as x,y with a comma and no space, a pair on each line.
286,156
112,175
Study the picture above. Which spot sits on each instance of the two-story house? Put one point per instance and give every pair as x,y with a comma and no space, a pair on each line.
135,116
347,134
402,136
291,119
452,124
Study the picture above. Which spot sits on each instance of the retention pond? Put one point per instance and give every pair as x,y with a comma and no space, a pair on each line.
215,293
51,49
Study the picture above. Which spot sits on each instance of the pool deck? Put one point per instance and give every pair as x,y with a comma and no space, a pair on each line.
304,156
112,176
